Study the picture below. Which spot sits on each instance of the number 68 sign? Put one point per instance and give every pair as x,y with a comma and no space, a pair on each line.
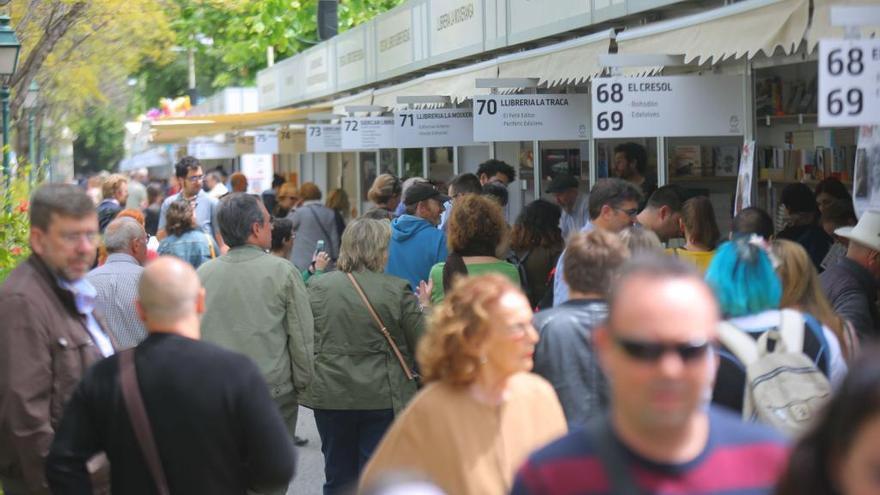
849,82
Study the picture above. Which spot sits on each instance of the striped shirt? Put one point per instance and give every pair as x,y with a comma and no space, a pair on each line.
739,459
116,282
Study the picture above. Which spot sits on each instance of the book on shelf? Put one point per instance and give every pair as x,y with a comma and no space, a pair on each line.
687,161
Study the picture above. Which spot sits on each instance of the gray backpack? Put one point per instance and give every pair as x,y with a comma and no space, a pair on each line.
784,387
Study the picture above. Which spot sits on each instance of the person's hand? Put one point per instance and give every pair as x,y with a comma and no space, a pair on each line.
424,293
322,259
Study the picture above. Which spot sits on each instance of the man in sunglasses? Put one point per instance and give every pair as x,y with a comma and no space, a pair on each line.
658,350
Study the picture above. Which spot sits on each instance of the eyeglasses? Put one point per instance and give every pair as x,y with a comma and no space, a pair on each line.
632,212
651,352
195,178
72,238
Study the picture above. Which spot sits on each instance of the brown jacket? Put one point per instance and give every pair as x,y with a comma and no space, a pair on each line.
45,348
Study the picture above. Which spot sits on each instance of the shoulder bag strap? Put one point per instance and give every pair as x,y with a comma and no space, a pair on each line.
612,457
140,422
321,226
410,375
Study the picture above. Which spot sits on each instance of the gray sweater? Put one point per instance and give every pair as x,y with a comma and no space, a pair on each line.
565,357
852,291
313,222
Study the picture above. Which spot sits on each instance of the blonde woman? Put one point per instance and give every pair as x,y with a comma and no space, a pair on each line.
482,412
802,291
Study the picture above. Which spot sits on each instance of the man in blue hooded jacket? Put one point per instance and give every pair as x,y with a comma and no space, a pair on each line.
416,242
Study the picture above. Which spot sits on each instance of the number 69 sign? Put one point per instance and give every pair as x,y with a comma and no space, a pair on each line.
849,82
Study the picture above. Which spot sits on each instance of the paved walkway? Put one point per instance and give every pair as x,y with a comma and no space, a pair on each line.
309,476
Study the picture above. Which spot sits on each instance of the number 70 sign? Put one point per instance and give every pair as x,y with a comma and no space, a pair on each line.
849,82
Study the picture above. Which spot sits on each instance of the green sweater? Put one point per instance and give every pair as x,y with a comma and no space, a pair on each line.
474,269
355,368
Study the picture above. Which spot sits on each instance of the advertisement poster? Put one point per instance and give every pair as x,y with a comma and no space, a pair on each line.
866,174
744,181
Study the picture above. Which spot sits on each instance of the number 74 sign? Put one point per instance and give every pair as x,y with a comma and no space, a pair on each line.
849,82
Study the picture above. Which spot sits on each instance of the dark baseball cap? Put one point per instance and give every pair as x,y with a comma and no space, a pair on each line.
422,191
561,183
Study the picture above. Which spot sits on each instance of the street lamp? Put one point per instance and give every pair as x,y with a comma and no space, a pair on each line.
9,47
30,105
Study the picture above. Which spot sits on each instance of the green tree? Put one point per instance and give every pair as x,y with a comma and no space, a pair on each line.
99,142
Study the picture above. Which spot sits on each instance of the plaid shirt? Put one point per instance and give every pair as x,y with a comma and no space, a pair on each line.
117,282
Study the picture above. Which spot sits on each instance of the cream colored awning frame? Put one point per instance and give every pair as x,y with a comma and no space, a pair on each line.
821,27
172,130
741,29
457,84
570,62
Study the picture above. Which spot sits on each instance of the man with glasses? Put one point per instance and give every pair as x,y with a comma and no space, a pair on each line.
190,175
658,349
50,333
613,206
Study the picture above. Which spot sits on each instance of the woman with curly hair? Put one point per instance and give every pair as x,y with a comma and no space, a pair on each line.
185,240
476,235
537,242
481,412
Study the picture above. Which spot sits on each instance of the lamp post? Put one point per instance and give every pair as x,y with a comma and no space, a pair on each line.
9,47
30,105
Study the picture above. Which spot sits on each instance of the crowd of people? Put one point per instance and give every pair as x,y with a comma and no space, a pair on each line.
610,341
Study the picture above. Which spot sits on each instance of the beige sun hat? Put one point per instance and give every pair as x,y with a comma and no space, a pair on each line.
866,232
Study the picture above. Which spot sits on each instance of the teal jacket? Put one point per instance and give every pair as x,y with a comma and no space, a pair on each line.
258,305
355,368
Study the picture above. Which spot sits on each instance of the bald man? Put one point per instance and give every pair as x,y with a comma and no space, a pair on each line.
216,428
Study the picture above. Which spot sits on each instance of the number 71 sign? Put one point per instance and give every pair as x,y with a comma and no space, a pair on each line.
849,82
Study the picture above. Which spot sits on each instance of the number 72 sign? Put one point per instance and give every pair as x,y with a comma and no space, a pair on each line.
849,82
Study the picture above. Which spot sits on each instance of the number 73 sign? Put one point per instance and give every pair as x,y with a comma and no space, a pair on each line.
849,82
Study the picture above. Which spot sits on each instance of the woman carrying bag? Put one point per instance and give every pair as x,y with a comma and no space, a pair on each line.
367,325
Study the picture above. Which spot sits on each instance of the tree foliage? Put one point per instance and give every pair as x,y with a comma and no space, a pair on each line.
99,142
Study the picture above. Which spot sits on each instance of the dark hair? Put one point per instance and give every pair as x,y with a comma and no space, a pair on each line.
476,228
834,188
179,218
185,164
537,225
496,191
855,403
466,183
59,199
491,167
282,231
611,192
154,191
634,152
840,213
699,221
669,195
237,213
798,198
753,220
591,260
277,180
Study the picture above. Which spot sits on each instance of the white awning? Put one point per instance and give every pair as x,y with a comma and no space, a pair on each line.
821,26
458,84
743,28
572,61
152,157
363,98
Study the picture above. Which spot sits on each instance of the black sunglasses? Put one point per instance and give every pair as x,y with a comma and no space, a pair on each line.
651,352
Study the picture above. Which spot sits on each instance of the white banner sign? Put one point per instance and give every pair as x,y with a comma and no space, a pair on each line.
433,128
626,107
866,171
367,133
258,170
266,143
849,82
744,180
531,117
323,138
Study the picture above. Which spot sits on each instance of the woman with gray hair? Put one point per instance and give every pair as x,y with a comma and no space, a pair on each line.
367,325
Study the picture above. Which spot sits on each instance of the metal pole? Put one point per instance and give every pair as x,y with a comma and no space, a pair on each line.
4,95
32,146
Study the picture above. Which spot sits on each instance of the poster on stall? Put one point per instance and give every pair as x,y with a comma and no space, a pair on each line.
744,180
866,173
258,170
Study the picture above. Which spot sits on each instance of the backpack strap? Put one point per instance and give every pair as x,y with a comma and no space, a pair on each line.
791,329
741,344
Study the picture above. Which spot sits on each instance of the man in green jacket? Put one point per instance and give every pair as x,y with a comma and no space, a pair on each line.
258,305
